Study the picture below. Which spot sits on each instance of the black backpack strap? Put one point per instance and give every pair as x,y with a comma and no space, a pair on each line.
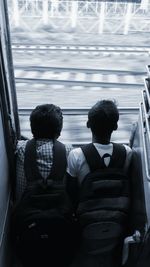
92,157
95,162
118,157
59,161
30,167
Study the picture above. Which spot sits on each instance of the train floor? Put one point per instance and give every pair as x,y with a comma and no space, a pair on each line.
80,260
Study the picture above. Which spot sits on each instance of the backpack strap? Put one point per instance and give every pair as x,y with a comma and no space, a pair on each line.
118,157
95,162
59,162
30,167
92,157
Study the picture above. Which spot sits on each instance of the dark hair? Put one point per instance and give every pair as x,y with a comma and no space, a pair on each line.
46,121
103,117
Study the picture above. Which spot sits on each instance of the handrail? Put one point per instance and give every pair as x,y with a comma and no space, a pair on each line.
30,67
147,47
144,146
148,69
146,116
146,88
80,83
80,111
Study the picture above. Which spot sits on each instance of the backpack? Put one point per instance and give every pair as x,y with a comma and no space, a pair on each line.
42,226
142,252
103,204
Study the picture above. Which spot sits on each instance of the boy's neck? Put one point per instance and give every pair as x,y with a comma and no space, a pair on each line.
100,140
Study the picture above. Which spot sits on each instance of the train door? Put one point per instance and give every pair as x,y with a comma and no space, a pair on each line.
9,132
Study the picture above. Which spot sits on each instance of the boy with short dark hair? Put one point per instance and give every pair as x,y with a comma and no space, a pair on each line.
46,123
98,185
42,230
102,120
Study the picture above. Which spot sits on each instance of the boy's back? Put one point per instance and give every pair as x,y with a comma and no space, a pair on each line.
40,220
100,198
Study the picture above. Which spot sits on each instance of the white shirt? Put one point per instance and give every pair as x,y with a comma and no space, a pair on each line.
78,167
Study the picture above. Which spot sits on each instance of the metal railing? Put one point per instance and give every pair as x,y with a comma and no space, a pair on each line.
145,125
83,16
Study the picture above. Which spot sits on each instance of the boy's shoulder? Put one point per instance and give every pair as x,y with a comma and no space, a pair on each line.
21,144
20,149
129,150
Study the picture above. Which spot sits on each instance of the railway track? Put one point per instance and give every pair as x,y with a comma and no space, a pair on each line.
74,130
39,48
79,76
78,83
84,70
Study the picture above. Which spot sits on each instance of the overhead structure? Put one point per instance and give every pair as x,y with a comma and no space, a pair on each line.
81,16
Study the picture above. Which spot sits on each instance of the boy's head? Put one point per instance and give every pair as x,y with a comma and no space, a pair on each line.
46,121
103,118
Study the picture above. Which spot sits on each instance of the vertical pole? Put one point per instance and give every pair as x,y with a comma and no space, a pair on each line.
116,5
128,18
54,7
73,14
144,4
96,6
102,17
36,5
86,6
16,13
45,12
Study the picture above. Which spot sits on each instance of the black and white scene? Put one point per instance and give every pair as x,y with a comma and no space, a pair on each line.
75,133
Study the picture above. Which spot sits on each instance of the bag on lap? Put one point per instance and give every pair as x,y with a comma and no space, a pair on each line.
42,224
103,201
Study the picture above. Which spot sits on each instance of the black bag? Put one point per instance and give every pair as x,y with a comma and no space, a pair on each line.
104,203
142,253
42,225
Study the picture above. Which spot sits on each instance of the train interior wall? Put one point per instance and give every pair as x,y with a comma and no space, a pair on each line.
4,200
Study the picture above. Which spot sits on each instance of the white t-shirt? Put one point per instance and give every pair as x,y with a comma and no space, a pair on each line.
78,167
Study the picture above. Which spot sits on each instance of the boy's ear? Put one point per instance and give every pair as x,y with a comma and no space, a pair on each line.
115,126
88,124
